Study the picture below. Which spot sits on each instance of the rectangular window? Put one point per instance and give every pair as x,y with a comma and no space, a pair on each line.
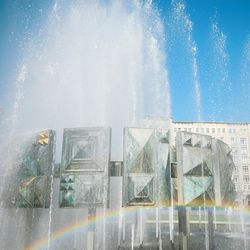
234,151
179,129
244,151
197,130
242,130
234,130
236,178
190,130
218,130
244,159
185,129
223,130
207,130
213,130
202,130
233,140
175,129
236,158
245,169
243,141
245,178
248,187
235,169
230,131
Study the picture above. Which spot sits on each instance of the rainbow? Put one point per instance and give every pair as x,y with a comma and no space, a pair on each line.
81,224
84,223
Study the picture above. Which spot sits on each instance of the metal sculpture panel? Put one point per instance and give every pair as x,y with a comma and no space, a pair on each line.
33,179
84,168
146,157
223,169
86,149
78,190
204,168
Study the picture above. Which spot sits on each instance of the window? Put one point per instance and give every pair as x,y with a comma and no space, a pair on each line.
239,187
218,130
243,141
234,130
245,178
185,129
230,131
190,130
207,130
175,129
213,130
235,169
244,159
197,130
223,130
222,138
202,130
233,140
245,169
236,158
234,150
236,178
244,151
245,187
248,187
179,129
243,130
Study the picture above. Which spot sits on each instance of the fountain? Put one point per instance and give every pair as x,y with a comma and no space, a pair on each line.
219,65
128,183
182,47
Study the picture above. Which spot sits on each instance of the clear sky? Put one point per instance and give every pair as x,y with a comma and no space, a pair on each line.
221,54
233,20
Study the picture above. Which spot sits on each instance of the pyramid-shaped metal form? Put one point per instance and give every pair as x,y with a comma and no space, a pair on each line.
146,159
78,190
195,186
33,178
223,164
200,170
85,149
205,168
84,168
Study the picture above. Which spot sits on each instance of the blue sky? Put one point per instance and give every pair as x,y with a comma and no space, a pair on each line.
21,19
233,19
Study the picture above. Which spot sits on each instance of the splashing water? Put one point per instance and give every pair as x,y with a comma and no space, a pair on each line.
8,155
181,39
96,65
245,76
92,64
219,84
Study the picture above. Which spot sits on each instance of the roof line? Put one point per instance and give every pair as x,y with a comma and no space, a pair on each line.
216,122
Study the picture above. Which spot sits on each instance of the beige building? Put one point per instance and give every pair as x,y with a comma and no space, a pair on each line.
237,136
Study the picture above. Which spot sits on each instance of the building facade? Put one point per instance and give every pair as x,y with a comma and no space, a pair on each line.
237,136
